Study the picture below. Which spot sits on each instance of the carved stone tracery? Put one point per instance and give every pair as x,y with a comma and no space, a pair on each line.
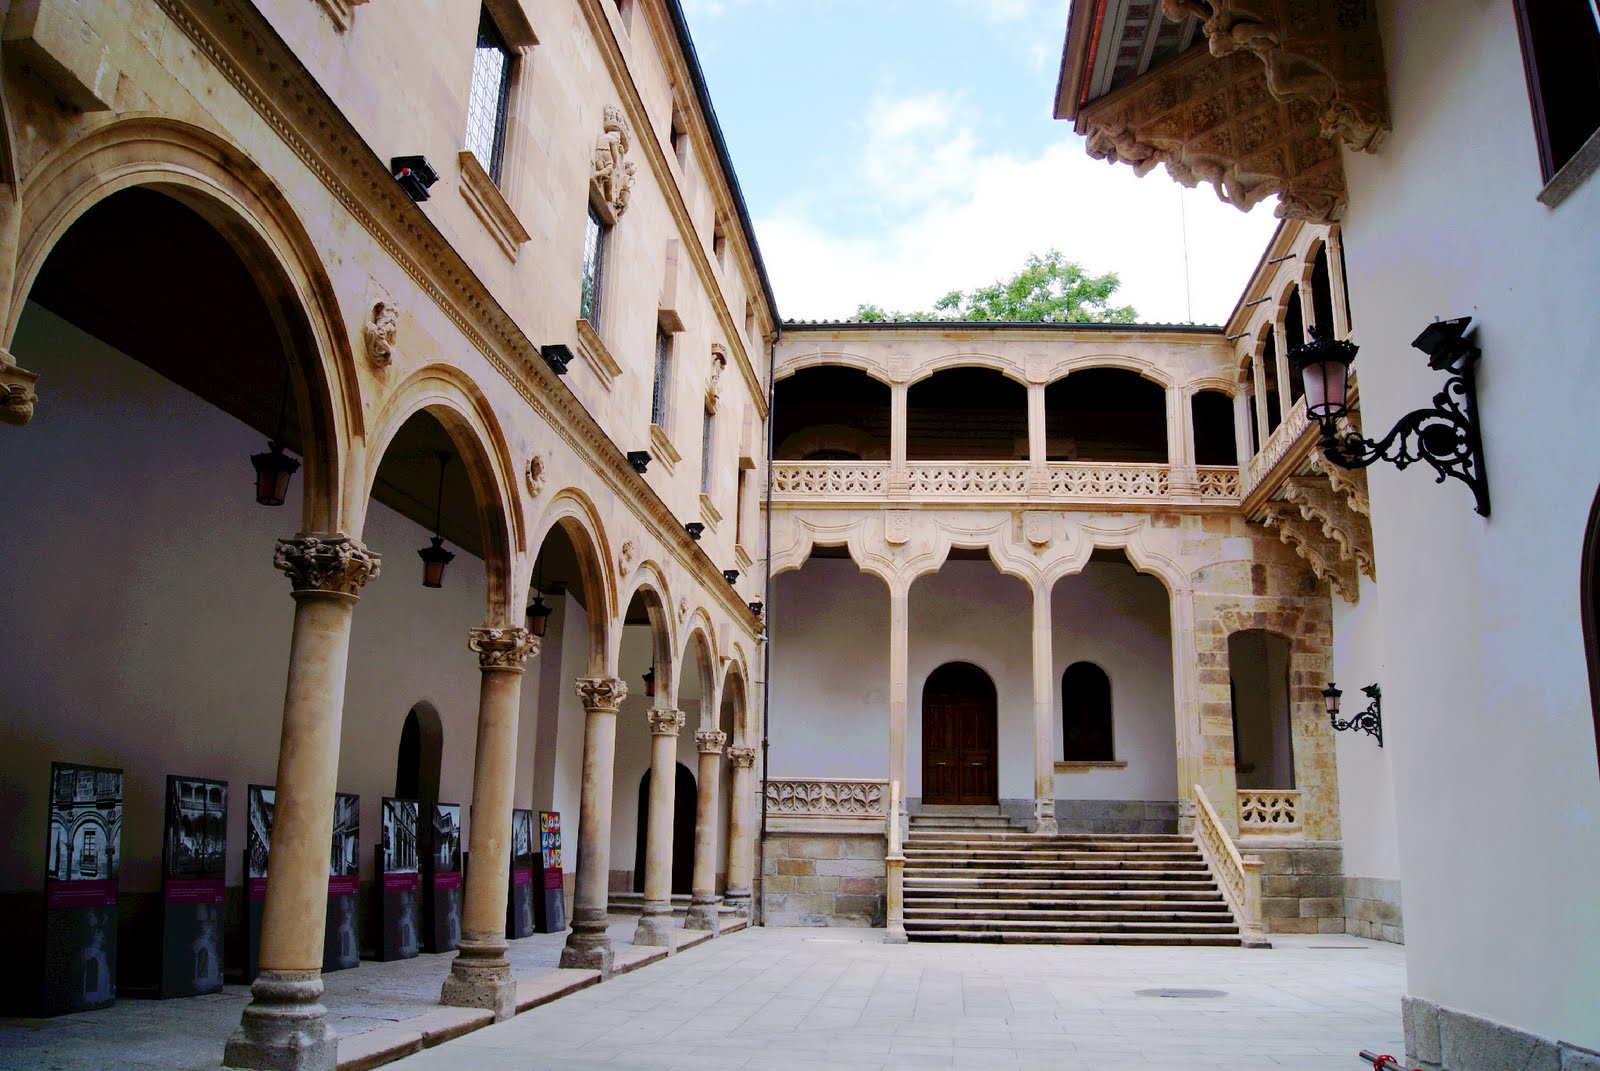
326,563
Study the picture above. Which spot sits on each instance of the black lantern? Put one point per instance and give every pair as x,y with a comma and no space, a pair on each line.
273,470
557,357
1369,721
650,682
274,467
1447,436
538,613
640,460
434,556
414,174
695,529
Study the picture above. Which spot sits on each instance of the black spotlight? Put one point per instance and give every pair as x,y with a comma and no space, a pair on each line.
695,529
640,460
414,174
557,357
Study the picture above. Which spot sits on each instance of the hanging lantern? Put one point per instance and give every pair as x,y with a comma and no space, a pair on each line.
650,682
538,616
434,556
273,470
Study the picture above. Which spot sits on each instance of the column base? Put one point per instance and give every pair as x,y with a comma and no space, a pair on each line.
739,900
656,926
895,936
284,1027
704,914
588,946
480,977
1046,827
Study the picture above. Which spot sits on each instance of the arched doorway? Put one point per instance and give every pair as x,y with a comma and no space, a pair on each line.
959,717
684,795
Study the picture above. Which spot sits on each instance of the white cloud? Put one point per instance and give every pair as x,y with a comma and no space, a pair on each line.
954,218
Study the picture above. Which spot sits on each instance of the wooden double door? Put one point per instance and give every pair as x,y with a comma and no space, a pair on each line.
959,713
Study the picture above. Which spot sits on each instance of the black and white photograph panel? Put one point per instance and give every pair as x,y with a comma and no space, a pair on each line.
85,823
399,836
522,838
197,822
446,837
258,827
344,859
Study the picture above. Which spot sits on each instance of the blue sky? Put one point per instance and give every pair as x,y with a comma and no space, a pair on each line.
892,150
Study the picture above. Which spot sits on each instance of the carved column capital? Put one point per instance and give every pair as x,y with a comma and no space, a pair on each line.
665,722
742,757
710,741
16,392
326,563
502,648
601,693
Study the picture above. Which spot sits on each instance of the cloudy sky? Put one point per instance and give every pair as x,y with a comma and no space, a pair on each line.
893,150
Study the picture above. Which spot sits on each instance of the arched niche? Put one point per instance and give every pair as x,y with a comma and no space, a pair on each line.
830,413
1106,414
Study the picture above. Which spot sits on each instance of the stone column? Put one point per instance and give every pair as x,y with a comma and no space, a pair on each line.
16,391
1244,415
1044,737
1263,429
899,672
899,478
655,924
480,975
704,900
284,1028
1182,478
1038,442
588,945
741,831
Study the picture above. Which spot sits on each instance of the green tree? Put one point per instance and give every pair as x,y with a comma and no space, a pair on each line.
1048,289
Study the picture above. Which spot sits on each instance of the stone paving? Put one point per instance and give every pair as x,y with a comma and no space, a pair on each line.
839,999
836,999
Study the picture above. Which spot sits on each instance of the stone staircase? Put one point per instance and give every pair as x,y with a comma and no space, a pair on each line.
977,876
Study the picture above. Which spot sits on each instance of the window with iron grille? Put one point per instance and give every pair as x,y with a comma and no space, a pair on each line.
658,400
1561,53
491,93
594,262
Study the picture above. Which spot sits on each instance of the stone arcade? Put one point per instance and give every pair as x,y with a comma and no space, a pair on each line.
960,618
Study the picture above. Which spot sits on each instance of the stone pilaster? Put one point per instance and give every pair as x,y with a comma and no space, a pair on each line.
741,831
480,975
588,945
1044,737
284,1028
704,899
655,924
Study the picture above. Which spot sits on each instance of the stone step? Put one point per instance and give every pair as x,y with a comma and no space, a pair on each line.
1017,834
957,810
936,901
1028,842
1066,867
976,822
1031,885
1222,929
1002,855
1159,915
1031,938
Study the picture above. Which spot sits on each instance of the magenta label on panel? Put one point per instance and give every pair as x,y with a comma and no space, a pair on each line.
450,879
81,893
344,885
522,876
258,888
552,879
403,882
193,891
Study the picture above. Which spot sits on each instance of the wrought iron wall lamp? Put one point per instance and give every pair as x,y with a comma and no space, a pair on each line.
1368,721
1446,436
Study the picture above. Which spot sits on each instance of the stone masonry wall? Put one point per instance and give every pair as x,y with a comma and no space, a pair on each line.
1302,885
812,879
1372,909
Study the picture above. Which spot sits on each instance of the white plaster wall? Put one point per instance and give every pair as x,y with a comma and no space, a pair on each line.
1485,689
1366,771
829,624
147,629
568,779
1120,620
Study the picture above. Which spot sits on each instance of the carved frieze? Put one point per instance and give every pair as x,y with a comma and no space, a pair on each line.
601,694
503,648
326,563
1325,53
710,741
612,170
1214,119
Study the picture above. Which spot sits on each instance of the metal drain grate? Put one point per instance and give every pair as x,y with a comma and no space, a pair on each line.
1181,994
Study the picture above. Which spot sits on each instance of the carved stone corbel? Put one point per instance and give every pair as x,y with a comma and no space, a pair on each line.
1310,545
1326,54
1350,532
17,397
379,332
612,172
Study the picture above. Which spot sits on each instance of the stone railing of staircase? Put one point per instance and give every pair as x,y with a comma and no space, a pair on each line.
1239,877
827,805
1126,484
894,859
1270,811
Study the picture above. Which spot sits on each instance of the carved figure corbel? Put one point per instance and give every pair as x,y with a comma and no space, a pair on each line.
379,332
719,361
535,475
613,172
627,556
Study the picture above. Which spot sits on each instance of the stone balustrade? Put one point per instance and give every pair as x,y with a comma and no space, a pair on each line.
1269,811
1120,485
1239,877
